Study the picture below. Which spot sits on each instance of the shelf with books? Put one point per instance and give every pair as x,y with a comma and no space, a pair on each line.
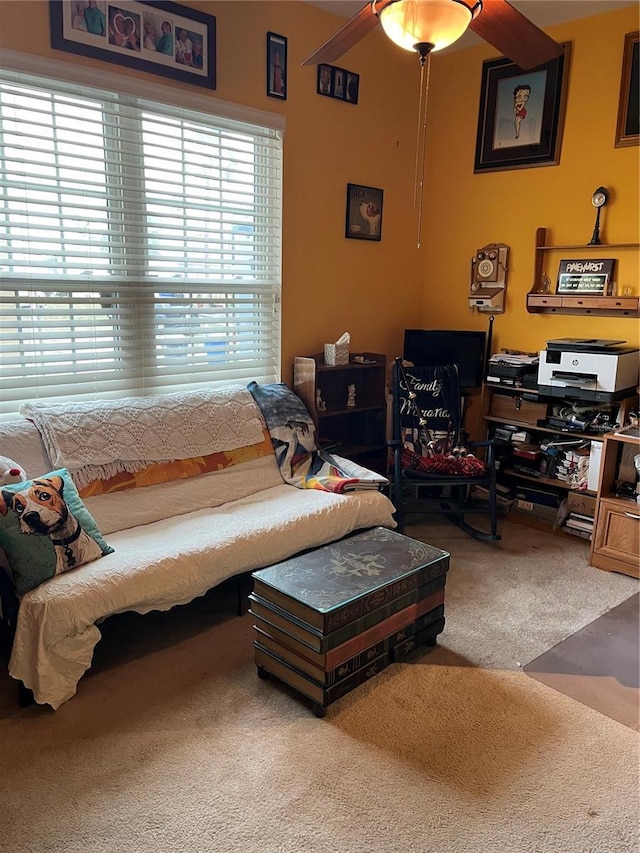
531,450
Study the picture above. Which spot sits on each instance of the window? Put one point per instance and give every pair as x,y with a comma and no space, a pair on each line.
139,245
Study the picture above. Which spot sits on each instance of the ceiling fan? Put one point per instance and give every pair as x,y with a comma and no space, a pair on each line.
430,25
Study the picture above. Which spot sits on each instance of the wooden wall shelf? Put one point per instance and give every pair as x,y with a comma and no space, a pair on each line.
539,302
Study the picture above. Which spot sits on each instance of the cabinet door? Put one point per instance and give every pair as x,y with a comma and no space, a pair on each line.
617,538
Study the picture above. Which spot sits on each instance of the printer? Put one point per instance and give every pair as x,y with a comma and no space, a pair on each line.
590,369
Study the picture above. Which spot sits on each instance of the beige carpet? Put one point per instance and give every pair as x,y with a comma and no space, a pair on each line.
174,744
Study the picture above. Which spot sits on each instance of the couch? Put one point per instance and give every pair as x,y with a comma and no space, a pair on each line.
175,527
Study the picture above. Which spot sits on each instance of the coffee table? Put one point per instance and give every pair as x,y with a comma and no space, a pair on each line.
331,618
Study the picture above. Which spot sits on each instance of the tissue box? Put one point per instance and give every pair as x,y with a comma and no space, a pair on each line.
336,354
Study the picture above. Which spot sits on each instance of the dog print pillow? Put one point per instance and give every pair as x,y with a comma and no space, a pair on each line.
45,529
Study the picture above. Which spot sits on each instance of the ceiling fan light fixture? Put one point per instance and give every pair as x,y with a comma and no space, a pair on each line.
409,23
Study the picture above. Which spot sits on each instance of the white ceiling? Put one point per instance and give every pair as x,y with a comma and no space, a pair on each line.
544,13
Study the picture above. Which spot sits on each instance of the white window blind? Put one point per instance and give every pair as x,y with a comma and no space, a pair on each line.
140,245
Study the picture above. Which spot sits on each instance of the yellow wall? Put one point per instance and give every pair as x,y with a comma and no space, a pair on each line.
466,211
375,290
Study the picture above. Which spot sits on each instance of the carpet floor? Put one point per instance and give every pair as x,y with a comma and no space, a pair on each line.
172,742
599,665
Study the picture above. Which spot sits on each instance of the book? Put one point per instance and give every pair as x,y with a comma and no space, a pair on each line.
358,650
584,534
370,628
332,586
579,525
307,686
400,651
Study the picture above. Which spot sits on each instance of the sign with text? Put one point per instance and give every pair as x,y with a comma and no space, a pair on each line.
592,276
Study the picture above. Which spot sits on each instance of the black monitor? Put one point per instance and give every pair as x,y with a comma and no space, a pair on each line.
431,347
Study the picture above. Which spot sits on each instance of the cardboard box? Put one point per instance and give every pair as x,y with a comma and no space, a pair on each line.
582,503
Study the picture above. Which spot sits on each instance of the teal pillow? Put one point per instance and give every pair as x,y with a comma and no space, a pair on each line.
46,529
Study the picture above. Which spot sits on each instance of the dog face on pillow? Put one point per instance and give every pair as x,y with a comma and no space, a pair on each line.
41,509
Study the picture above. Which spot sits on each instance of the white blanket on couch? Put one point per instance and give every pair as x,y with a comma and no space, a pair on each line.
100,439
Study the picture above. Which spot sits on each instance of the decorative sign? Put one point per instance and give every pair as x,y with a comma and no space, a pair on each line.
593,276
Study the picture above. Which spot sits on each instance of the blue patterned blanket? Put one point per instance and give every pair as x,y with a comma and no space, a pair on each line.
293,435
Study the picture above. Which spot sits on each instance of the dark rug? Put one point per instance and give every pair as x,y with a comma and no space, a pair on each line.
599,665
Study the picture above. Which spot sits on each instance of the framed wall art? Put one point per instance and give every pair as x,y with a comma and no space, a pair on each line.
628,126
276,66
334,82
521,114
364,212
588,276
159,37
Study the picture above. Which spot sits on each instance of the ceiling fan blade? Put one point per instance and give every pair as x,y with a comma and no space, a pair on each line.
349,34
514,35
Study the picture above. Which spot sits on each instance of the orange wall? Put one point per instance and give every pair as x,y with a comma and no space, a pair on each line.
375,290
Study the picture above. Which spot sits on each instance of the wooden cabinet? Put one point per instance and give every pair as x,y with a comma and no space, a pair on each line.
540,301
357,431
616,541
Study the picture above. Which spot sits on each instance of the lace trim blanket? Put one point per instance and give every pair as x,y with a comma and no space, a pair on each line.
293,436
100,439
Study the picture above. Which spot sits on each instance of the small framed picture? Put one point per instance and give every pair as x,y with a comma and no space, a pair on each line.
338,83
325,80
351,89
276,66
364,213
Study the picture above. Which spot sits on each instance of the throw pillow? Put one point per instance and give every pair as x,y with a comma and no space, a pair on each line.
46,529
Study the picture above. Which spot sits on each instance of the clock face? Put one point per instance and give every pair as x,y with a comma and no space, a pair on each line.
598,198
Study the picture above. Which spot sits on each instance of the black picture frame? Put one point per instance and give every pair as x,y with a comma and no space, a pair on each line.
338,83
364,213
276,66
521,114
123,32
628,124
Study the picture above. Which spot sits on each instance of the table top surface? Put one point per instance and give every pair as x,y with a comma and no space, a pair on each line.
335,574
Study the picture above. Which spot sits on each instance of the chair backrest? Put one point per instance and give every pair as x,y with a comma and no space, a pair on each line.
427,406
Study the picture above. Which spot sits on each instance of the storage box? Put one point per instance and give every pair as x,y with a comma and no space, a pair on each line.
336,355
581,503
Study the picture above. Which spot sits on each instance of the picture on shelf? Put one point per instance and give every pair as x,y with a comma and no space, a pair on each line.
593,276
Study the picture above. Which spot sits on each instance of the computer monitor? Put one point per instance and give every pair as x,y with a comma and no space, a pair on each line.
432,347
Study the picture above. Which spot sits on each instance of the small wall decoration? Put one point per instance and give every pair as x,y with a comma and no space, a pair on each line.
521,114
628,126
159,37
592,276
364,212
338,83
276,66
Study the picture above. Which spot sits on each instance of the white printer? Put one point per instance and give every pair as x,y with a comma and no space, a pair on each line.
591,369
